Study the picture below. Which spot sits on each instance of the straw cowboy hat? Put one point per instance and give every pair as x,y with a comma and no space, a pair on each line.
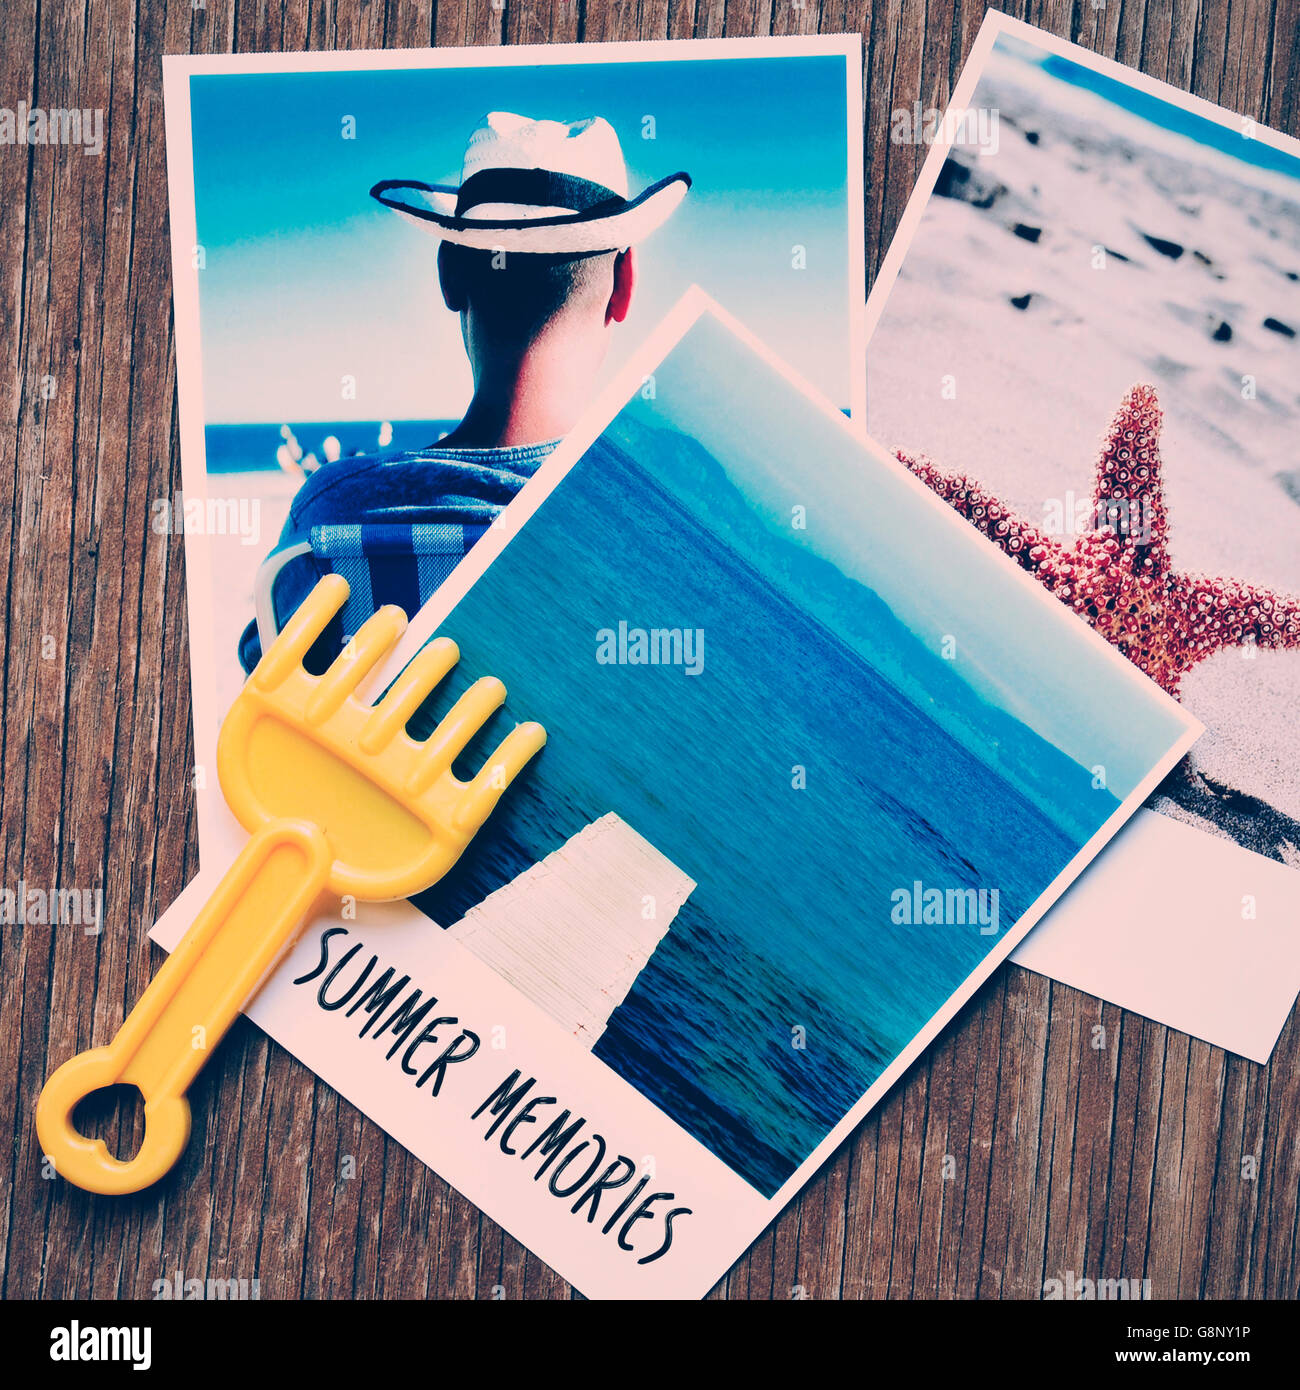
547,187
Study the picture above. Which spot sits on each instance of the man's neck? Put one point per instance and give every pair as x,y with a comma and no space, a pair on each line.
524,400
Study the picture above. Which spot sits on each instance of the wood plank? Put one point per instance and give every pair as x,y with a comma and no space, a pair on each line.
1025,1145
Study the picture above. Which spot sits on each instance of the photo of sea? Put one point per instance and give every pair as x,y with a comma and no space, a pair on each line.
879,703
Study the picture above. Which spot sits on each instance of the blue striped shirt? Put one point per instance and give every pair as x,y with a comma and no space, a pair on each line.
394,525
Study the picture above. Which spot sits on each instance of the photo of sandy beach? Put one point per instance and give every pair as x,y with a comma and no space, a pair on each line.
1118,272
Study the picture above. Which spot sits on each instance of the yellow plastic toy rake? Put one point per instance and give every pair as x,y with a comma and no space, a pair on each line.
337,798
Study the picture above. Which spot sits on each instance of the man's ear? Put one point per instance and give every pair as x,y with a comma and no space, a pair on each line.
624,283
449,278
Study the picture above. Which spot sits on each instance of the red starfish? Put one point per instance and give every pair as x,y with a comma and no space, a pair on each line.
1118,574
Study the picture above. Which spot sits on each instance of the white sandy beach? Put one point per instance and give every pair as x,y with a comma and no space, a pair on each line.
1036,386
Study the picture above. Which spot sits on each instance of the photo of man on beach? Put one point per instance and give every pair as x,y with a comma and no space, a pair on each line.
414,278
536,255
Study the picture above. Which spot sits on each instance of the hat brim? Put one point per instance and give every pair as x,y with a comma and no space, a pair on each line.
553,232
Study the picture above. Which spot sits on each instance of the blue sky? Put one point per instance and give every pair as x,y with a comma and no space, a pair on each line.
307,279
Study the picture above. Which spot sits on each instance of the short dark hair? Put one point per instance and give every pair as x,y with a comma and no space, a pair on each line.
518,293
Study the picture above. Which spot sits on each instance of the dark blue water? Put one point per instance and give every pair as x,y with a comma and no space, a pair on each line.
245,448
789,928
1230,139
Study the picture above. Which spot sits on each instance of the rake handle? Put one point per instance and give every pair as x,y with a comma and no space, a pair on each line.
233,944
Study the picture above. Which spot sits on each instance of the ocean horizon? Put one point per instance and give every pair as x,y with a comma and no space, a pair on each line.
251,448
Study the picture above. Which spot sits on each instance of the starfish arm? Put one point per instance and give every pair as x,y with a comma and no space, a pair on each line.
1117,576
1027,545
1128,494
1228,613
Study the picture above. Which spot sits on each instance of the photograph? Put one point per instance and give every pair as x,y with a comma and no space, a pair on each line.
412,270
1091,351
862,778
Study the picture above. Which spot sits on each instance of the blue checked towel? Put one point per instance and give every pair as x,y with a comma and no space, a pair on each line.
394,526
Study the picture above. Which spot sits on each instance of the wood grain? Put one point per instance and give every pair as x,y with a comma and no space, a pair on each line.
1015,1151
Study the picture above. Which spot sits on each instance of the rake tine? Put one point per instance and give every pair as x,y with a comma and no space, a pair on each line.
421,676
509,760
378,635
295,641
448,740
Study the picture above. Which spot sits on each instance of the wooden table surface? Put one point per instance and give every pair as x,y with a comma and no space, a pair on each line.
1151,1157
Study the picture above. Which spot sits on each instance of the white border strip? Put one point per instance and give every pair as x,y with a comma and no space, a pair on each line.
520,55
